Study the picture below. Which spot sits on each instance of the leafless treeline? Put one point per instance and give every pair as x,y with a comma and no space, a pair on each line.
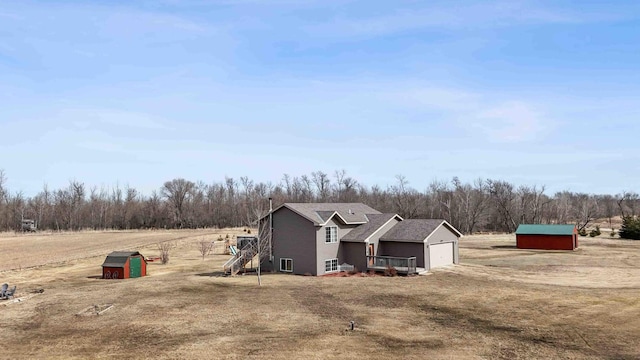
481,205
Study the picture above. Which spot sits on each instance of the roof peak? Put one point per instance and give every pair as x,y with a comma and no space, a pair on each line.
321,213
323,203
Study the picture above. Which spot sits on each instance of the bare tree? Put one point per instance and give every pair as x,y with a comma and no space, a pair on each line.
230,214
165,248
349,190
177,192
609,208
16,204
205,247
503,197
130,212
405,198
265,245
493,205
77,191
339,175
322,183
540,201
627,203
3,200
307,189
562,206
585,208
472,202
441,202
3,189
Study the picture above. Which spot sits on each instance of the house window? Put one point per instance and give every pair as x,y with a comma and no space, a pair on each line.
286,265
331,265
331,234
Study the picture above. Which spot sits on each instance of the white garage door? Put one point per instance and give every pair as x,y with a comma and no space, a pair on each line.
440,254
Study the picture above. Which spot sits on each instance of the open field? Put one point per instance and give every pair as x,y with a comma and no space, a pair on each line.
500,303
28,250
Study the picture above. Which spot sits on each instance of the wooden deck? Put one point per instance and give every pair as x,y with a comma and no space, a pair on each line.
402,265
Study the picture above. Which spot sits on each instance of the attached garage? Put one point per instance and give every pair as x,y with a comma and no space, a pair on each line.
441,254
124,265
547,237
434,243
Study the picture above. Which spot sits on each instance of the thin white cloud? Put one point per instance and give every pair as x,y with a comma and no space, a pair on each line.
495,117
137,23
103,146
192,3
456,16
87,54
10,16
125,119
436,98
129,119
510,121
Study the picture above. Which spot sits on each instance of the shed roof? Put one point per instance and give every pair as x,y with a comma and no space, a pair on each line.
415,230
362,232
118,258
545,229
320,213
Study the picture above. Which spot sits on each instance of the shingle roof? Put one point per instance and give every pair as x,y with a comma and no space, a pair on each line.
325,215
320,213
362,232
545,229
412,230
118,258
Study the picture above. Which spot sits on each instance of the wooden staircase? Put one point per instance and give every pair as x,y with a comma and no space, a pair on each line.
246,255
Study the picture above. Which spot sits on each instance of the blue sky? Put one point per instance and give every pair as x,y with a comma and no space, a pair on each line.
141,92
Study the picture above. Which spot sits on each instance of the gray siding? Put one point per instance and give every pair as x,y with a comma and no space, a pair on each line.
442,235
294,237
353,254
403,249
297,238
326,251
267,263
375,238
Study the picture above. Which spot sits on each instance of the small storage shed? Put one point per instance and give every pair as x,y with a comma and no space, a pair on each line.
124,265
547,237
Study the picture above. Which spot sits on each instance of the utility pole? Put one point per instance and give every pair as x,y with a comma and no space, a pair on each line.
262,233
259,253
270,229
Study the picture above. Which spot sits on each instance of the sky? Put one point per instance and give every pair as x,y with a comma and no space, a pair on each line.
142,92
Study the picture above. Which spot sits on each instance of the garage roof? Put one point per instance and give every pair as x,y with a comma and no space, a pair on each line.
416,230
545,229
118,258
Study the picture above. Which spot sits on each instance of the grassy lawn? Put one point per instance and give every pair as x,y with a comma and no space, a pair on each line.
499,303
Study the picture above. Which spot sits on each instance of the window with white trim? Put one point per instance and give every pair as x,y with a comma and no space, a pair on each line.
331,234
286,265
330,265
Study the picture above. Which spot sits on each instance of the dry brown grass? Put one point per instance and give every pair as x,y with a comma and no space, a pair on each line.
20,251
501,303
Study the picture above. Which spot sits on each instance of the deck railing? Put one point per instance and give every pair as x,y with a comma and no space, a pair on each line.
401,264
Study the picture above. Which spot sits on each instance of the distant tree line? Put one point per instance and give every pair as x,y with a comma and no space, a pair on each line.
480,205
